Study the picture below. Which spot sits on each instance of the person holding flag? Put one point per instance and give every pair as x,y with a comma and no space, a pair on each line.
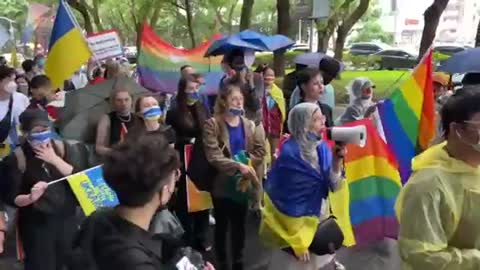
46,217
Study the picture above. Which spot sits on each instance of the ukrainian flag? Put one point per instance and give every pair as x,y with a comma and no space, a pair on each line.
68,49
293,196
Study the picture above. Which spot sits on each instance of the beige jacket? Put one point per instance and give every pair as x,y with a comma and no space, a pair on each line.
217,149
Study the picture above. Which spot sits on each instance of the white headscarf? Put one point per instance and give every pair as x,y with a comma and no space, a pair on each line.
355,89
299,120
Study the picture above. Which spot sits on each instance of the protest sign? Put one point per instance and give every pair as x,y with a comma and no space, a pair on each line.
105,45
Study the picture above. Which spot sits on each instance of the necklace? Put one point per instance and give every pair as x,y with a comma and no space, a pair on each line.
124,118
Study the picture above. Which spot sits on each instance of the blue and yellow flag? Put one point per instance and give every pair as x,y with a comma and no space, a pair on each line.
68,49
91,190
293,196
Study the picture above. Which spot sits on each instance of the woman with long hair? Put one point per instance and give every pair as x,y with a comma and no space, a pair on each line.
310,83
231,143
187,119
151,117
296,193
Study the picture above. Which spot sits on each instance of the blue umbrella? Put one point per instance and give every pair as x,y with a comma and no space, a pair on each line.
270,43
467,61
226,44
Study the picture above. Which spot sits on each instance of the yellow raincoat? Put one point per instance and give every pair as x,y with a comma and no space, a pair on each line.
439,214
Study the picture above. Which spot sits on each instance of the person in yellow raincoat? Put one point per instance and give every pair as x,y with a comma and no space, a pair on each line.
438,209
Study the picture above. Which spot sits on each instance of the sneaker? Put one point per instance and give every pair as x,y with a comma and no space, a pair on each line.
339,266
211,220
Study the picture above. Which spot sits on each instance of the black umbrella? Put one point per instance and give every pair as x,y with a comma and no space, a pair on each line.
84,108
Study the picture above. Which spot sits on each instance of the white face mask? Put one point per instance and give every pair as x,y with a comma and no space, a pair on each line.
11,87
476,146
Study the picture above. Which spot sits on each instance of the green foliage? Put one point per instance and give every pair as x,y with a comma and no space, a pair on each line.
372,31
267,58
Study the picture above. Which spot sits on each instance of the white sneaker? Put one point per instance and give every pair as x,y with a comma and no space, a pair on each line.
211,220
339,266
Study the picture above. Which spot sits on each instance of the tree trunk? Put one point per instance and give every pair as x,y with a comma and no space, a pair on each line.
96,16
477,40
283,27
84,12
432,18
188,10
347,25
323,38
246,15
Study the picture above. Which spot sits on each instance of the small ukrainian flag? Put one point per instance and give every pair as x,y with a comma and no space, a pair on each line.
68,49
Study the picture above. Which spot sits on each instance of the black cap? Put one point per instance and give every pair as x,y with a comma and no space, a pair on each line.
32,118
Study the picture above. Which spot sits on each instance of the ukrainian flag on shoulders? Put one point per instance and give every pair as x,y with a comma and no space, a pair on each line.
68,50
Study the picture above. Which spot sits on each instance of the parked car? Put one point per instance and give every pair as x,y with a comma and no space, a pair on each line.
394,59
367,48
449,49
130,53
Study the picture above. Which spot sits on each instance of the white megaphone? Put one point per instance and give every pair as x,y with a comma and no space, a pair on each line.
356,135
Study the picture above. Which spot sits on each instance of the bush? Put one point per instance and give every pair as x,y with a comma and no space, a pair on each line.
267,58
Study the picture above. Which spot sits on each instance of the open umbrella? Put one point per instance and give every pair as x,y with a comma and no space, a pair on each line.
84,107
467,61
269,43
226,44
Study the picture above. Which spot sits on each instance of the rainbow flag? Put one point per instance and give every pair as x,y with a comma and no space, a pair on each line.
91,190
68,49
159,63
408,116
197,200
36,13
364,206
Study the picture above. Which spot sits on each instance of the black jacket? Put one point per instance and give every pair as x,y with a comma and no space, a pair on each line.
106,241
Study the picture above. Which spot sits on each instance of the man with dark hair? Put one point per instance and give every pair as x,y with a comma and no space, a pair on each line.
41,90
438,208
30,68
142,171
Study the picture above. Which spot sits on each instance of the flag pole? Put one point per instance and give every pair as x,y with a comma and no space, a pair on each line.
66,177
77,25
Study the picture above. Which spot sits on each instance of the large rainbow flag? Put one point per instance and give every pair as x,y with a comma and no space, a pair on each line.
408,116
364,206
159,63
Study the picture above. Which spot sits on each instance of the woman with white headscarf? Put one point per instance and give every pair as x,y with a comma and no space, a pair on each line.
361,104
296,193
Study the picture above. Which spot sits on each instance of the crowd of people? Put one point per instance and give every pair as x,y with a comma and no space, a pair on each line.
236,137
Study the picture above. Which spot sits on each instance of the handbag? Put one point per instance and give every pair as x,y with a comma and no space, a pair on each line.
200,171
327,239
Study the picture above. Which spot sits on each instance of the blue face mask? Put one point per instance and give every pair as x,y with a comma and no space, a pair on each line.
236,112
152,113
313,137
38,138
270,102
192,98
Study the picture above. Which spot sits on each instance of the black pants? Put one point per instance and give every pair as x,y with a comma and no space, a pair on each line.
196,228
47,240
230,217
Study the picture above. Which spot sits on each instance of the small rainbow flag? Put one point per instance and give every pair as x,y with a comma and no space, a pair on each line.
159,63
91,190
364,206
197,200
408,116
